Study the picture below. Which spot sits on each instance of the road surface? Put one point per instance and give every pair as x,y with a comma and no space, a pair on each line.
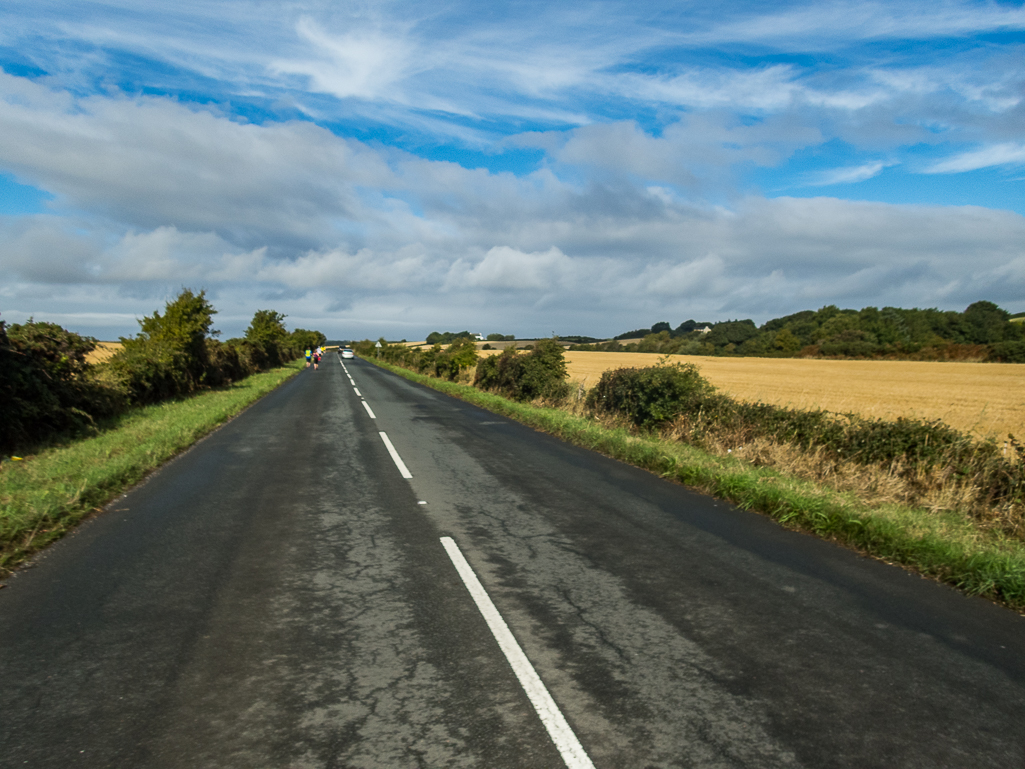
283,595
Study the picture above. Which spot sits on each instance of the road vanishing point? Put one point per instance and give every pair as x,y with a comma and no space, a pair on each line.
361,572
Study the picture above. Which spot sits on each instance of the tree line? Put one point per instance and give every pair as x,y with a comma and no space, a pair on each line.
983,331
48,388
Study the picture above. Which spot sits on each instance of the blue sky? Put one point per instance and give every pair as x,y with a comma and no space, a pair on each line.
393,168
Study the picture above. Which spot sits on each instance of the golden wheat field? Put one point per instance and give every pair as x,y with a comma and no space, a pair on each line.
103,351
982,398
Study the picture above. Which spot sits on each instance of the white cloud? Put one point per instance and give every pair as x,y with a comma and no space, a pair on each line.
827,23
1007,153
367,63
152,162
509,269
850,174
702,276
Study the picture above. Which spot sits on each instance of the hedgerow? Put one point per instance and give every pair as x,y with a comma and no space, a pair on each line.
676,397
48,389
539,374
650,396
46,385
451,363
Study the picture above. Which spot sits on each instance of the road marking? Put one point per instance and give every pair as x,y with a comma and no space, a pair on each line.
356,391
369,410
558,728
403,470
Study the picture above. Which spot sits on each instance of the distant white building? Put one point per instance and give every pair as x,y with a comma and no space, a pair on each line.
705,330
479,337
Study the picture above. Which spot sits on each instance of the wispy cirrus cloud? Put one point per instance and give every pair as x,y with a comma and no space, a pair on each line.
1004,154
850,174
825,23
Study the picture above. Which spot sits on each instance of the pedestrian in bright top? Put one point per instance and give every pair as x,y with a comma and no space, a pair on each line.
316,359
309,354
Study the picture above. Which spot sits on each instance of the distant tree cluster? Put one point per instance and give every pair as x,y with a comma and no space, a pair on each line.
982,332
447,337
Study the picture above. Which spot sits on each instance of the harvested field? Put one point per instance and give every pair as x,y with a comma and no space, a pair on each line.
103,351
981,398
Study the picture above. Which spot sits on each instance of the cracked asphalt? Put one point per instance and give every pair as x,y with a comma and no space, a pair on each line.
278,597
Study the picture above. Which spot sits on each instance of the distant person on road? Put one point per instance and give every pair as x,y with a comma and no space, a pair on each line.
309,354
316,359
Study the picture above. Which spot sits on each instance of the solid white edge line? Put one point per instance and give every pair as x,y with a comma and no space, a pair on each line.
558,728
369,410
403,470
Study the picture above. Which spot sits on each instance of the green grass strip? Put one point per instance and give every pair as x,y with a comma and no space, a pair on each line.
947,547
44,496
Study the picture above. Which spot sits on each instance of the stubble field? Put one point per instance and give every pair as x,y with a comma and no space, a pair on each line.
103,351
986,399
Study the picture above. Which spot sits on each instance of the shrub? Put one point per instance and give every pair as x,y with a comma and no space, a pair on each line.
1007,352
169,355
537,375
460,356
46,384
650,396
301,340
267,331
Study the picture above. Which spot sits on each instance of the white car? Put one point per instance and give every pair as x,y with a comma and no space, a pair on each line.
347,353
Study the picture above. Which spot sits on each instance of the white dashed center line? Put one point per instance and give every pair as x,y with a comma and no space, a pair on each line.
370,411
395,456
558,728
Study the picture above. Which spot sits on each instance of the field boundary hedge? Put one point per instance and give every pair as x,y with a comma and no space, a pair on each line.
49,391
942,546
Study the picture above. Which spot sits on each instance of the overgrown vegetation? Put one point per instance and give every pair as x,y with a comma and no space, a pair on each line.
453,362
916,462
46,385
539,374
982,332
651,396
49,391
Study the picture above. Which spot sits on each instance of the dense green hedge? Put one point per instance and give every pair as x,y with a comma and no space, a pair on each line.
444,362
650,396
48,389
46,385
537,374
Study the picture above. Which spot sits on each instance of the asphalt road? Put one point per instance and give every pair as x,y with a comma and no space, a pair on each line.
281,596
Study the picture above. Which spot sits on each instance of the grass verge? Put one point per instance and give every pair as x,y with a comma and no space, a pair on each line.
947,547
44,496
